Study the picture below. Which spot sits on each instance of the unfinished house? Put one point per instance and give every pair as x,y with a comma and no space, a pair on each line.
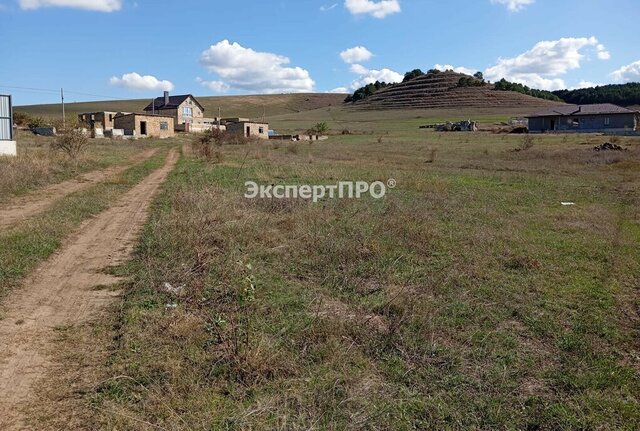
249,129
186,111
598,118
145,125
104,119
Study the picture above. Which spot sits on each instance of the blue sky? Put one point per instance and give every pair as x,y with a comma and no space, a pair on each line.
136,49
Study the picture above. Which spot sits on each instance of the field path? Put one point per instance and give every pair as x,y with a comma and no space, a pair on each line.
63,291
34,203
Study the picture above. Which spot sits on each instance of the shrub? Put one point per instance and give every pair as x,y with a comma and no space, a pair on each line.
319,129
72,143
527,142
35,122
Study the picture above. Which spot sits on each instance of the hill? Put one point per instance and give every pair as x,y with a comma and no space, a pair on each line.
231,106
618,94
441,91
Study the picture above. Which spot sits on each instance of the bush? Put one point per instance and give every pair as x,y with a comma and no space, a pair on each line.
72,143
35,122
319,129
21,118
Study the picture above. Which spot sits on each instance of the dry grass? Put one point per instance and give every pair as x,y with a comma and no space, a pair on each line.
468,298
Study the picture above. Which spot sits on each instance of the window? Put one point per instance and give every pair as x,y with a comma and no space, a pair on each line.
164,125
261,130
187,111
607,121
575,122
110,117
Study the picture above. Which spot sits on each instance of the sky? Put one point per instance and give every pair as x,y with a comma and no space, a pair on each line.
123,49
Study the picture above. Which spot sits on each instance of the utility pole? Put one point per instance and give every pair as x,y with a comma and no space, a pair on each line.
219,116
153,106
64,119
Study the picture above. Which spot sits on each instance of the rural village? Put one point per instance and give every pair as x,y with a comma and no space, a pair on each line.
225,246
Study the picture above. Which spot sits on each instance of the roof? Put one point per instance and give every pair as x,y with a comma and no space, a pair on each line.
174,102
578,110
142,114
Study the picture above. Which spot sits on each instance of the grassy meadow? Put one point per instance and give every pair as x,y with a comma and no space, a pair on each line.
468,298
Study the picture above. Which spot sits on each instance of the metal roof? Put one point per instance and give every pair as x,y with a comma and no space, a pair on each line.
174,102
577,110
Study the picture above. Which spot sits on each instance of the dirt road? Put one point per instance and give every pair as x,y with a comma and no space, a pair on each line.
24,207
63,292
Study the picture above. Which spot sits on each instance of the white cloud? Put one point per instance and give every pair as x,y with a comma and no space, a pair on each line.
356,54
586,84
445,67
134,81
92,5
542,66
245,69
377,9
629,73
326,8
370,76
339,90
514,5
603,54
215,86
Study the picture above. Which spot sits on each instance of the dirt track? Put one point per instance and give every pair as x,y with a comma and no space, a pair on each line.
62,292
27,206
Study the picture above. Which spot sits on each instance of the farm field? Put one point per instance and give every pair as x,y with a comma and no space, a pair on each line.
469,297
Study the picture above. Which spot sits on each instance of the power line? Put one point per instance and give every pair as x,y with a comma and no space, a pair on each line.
51,91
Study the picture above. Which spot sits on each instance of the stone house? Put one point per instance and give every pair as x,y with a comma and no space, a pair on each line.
249,129
187,112
145,125
597,118
104,119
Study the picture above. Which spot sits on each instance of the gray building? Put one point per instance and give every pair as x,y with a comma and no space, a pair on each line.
601,118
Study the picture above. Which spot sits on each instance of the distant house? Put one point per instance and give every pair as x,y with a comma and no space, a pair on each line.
145,125
187,112
104,118
601,118
248,129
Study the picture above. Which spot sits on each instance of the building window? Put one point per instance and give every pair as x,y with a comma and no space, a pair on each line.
110,117
187,111
261,130
164,125
607,121
575,122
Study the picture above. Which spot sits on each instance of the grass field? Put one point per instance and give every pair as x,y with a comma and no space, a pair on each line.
467,298
37,165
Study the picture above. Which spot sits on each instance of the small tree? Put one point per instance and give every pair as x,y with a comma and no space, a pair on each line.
319,129
479,76
72,143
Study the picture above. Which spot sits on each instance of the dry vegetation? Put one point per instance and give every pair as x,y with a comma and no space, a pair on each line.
469,298
39,163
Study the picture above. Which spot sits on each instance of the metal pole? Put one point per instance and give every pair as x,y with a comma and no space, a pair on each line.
64,119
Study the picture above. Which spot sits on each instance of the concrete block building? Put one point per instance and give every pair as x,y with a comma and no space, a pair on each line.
145,125
104,119
249,129
598,118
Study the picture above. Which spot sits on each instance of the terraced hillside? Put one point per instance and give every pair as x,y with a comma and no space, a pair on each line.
231,106
441,91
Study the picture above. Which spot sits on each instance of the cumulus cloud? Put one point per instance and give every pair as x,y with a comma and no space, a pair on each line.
215,86
377,9
134,81
92,5
603,53
514,5
248,70
357,54
460,69
629,73
369,76
543,65
339,90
